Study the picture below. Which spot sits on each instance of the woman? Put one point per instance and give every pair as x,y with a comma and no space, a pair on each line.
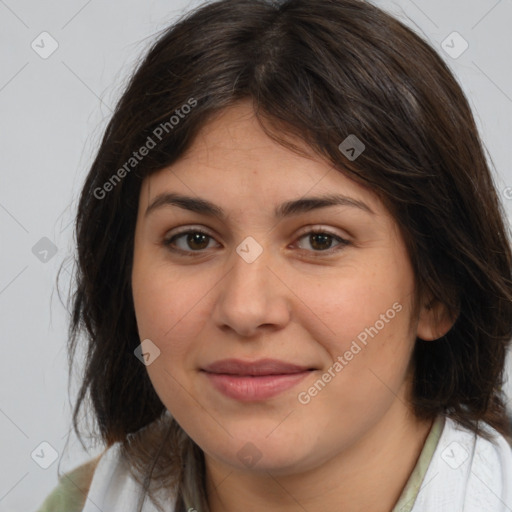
294,275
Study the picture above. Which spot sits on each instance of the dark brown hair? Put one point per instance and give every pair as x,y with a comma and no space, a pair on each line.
319,70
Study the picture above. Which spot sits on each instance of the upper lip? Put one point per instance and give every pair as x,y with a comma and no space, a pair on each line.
260,367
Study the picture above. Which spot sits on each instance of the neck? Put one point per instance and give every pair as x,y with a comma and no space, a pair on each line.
368,476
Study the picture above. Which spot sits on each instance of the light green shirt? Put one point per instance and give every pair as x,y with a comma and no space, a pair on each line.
412,487
71,492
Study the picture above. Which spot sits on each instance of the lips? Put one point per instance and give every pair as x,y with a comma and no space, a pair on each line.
254,381
255,368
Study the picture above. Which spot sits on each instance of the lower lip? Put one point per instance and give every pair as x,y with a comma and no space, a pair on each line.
249,389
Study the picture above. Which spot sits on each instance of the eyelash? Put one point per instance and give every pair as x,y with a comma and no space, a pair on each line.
168,242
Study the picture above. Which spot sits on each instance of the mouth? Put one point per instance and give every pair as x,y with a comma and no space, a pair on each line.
254,381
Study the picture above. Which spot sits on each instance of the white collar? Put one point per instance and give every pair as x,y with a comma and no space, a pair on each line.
467,473
114,489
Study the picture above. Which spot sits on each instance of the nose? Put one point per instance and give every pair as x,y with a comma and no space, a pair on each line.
252,296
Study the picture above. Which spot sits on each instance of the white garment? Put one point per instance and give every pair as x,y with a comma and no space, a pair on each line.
466,474
113,488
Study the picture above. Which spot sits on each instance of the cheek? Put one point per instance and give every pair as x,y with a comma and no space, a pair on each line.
365,322
169,308
348,306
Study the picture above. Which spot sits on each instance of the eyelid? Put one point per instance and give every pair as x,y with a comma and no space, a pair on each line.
190,227
305,230
318,228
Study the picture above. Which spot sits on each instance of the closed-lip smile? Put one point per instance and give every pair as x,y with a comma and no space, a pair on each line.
254,380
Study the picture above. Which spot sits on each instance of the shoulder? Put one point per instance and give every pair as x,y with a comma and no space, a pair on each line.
490,462
468,472
115,488
70,493
493,452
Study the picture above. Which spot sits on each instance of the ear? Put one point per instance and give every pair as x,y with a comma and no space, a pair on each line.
434,320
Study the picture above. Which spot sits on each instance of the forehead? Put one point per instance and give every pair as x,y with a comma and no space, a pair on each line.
233,159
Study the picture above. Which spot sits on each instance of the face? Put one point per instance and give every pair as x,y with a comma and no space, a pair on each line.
282,339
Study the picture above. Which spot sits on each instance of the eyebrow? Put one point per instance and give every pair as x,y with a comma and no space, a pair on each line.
287,209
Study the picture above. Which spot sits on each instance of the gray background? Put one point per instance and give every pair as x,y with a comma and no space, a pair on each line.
53,112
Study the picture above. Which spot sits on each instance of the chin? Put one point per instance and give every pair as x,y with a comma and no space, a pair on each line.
279,456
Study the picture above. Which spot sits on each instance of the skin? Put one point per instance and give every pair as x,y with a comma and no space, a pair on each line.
354,445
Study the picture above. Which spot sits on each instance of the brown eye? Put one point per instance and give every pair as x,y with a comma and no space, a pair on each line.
193,241
196,240
321,241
